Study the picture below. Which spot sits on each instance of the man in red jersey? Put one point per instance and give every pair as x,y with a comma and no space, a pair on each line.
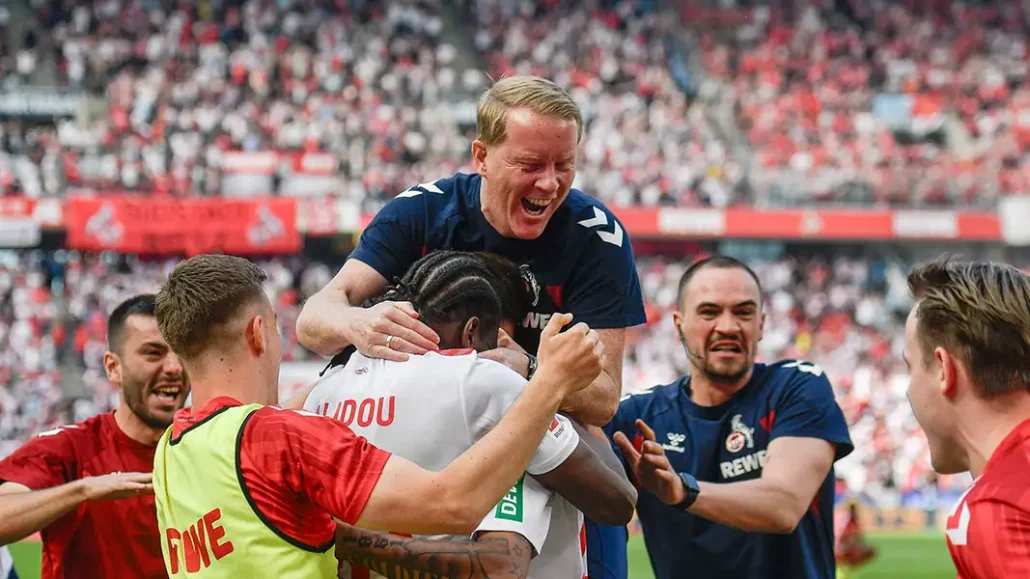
967,345
59,483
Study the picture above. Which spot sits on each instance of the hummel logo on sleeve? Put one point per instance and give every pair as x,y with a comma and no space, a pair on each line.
613,237
414,191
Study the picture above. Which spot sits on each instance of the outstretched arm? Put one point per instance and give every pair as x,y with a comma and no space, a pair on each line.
24,511
36,490
794,470
492,556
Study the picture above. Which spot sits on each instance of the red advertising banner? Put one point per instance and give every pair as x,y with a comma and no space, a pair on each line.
17,206
129,224
805,224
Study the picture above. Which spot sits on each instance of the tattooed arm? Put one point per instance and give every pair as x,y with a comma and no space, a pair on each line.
493,556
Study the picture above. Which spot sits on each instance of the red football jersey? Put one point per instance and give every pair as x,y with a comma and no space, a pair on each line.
104,539
989,529
300,469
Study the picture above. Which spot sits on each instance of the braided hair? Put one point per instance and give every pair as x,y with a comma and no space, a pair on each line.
448,286
511,285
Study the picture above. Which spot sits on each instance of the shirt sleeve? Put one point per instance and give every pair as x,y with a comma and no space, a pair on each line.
488,390
604,289
998,539
808,409
45,461
395,238
525,510
316,457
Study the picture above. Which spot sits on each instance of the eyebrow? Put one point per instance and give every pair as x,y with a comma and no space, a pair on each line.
747,303
529,158
146,345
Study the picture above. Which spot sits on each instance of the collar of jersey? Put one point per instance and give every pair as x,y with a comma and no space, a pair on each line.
688,406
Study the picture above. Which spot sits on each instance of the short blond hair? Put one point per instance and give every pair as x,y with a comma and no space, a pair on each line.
198,304
980,312
516,92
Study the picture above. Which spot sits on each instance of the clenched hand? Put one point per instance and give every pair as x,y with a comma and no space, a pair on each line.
571,359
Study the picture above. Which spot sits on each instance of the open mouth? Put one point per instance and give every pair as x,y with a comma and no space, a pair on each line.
535,206
168,392
726,348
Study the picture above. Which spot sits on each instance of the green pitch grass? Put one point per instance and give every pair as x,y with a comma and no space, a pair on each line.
916,556
900,556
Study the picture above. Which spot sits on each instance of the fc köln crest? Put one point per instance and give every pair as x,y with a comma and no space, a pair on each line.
741,436
531,283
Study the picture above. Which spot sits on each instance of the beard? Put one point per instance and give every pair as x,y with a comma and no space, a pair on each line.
724,375
136,393
724,372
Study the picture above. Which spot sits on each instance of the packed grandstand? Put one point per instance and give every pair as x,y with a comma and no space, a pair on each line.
848,138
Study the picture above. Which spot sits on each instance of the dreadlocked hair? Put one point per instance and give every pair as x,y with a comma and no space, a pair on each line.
511,286
447,286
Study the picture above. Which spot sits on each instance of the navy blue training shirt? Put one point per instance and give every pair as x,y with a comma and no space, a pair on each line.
727,444
582,263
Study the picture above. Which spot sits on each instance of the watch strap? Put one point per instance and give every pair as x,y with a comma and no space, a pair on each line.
531,369
692,489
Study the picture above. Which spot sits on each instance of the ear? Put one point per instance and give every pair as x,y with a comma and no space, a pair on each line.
761,327
113,367
479,157
255,334
470,333
948,375
677,320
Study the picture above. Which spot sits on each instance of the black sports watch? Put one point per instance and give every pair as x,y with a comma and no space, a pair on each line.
532,366
690,486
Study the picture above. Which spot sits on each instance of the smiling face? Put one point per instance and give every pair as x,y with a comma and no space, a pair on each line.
720,323
149,375
527,175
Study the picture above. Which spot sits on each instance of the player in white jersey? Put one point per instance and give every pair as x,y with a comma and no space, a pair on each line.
431,408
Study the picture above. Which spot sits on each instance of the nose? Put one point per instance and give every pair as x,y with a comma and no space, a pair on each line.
727,325
172,365
548,180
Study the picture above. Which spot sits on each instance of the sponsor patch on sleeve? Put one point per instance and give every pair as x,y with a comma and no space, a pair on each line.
557,428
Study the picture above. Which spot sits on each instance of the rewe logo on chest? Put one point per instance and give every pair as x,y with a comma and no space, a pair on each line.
536,320
743,465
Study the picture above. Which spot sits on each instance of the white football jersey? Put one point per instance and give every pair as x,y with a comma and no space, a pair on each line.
432,408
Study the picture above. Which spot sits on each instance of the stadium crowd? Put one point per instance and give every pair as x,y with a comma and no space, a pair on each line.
920,102
791,102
